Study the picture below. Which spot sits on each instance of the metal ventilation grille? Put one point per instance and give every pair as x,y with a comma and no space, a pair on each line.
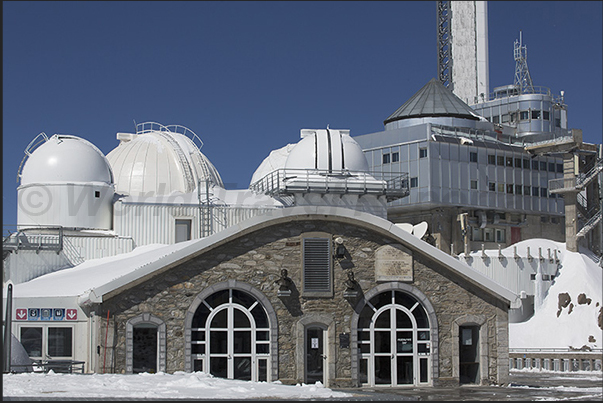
317,265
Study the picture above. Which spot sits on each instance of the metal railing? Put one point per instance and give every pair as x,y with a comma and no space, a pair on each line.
287,181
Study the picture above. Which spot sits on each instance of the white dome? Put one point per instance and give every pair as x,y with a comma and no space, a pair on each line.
64,158
67,182
327,149
159,162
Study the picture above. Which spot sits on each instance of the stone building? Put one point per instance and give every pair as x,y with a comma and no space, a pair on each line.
412,315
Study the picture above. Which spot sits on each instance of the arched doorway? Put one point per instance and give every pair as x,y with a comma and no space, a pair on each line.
394,339
231,336
145,344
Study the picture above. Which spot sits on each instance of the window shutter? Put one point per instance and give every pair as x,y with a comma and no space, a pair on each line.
317,265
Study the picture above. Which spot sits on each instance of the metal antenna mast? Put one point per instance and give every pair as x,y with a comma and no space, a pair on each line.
444,40
522,75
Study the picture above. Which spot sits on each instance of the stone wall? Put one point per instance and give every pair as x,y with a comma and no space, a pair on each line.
257,259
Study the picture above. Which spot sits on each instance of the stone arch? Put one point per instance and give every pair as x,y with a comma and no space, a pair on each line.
146,318
429,309
238,285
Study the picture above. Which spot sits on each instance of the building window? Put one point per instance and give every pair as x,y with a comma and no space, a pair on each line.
501,188
395,157
414,182
557,122
509,161
386,158
526,190
495,119
534,165
231,336
535,115
491,159
183,230
545,115
544,192
422,152
492,187
517,162
97,194
473,156
518,189
501,235
526,163
473,184
560,168
42,342
543,166
500,160
489,234
510,188
535,191
524,115
317,267
551,167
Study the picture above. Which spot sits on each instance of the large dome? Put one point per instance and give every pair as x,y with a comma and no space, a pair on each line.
65,158
327,149
159,161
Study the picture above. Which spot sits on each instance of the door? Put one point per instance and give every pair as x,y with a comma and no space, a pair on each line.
144,349
469,354
315,356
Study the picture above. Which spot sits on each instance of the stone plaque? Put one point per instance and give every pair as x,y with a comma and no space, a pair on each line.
393,263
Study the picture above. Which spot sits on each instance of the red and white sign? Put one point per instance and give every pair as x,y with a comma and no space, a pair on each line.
21,314
71,314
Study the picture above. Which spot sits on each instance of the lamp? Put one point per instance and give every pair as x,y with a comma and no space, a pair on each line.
340,249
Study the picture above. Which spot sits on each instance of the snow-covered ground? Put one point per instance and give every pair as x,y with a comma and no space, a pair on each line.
180,385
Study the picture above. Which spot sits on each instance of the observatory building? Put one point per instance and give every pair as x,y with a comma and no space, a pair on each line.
299,278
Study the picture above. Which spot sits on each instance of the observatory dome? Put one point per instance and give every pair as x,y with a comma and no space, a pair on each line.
66,181
327,149
160,161
65,158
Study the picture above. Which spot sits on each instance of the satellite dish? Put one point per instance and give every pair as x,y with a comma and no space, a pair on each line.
420,229
405,226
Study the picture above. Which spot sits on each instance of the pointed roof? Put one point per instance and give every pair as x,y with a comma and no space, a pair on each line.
433,100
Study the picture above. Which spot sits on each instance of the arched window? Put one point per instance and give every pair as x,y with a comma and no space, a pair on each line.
394,339
231,336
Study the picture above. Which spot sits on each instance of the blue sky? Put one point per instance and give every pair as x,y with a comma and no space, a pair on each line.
247,76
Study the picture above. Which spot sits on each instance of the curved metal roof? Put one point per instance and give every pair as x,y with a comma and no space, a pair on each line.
433,100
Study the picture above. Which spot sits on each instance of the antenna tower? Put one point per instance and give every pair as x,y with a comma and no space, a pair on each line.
523,80
444,40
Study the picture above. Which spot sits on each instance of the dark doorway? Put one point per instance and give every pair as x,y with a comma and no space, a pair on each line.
314,355
144,349
469,354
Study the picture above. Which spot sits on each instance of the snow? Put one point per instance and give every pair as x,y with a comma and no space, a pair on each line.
545,329
180,385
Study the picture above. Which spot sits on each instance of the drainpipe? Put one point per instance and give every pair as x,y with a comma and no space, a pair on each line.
7,328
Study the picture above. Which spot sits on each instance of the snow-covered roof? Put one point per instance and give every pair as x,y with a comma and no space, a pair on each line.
93,280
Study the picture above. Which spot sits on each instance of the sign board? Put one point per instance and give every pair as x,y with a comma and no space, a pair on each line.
314,342
393,263
45,314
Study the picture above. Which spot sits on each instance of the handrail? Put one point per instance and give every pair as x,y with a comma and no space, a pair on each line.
35,143
147,127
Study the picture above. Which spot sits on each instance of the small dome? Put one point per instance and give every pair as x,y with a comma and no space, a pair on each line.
64,158
159,162
327,149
